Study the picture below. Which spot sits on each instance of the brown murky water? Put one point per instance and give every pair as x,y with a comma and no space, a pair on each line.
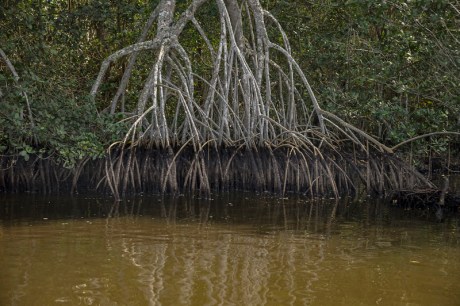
234,250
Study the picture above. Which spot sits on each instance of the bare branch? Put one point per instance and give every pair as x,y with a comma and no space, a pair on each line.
10,66
360,132
424,136
145,45
16,79
132,61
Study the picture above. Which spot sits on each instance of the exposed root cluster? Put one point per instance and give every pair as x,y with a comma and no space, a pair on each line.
279,170
254,123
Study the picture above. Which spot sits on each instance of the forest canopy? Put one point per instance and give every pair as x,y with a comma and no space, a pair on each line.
389,69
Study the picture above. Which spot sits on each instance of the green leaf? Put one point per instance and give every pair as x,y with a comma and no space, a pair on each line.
24,154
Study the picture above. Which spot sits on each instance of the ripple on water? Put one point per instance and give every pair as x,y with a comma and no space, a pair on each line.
251,260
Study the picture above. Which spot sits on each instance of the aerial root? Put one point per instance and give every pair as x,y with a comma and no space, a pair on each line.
279,169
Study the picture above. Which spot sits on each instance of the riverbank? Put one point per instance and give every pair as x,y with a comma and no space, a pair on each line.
149,175
277,169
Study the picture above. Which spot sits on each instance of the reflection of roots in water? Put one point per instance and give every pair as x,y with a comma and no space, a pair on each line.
233,268
150,261
195,267
90,292
21,289
187,262
227,269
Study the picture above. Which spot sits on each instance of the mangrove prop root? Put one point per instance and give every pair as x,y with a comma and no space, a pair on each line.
255,123
280,170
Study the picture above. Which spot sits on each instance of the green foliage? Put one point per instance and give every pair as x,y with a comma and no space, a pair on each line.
56,48
65,127
390,67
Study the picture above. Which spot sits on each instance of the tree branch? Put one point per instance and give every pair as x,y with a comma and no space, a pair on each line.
16,79
423,136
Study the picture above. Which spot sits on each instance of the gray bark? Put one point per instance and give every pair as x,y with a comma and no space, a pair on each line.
234,12
16,79
132,60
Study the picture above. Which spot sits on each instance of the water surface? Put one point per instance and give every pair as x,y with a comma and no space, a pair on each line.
232,250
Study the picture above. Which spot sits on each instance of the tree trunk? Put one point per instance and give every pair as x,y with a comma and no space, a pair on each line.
234,12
